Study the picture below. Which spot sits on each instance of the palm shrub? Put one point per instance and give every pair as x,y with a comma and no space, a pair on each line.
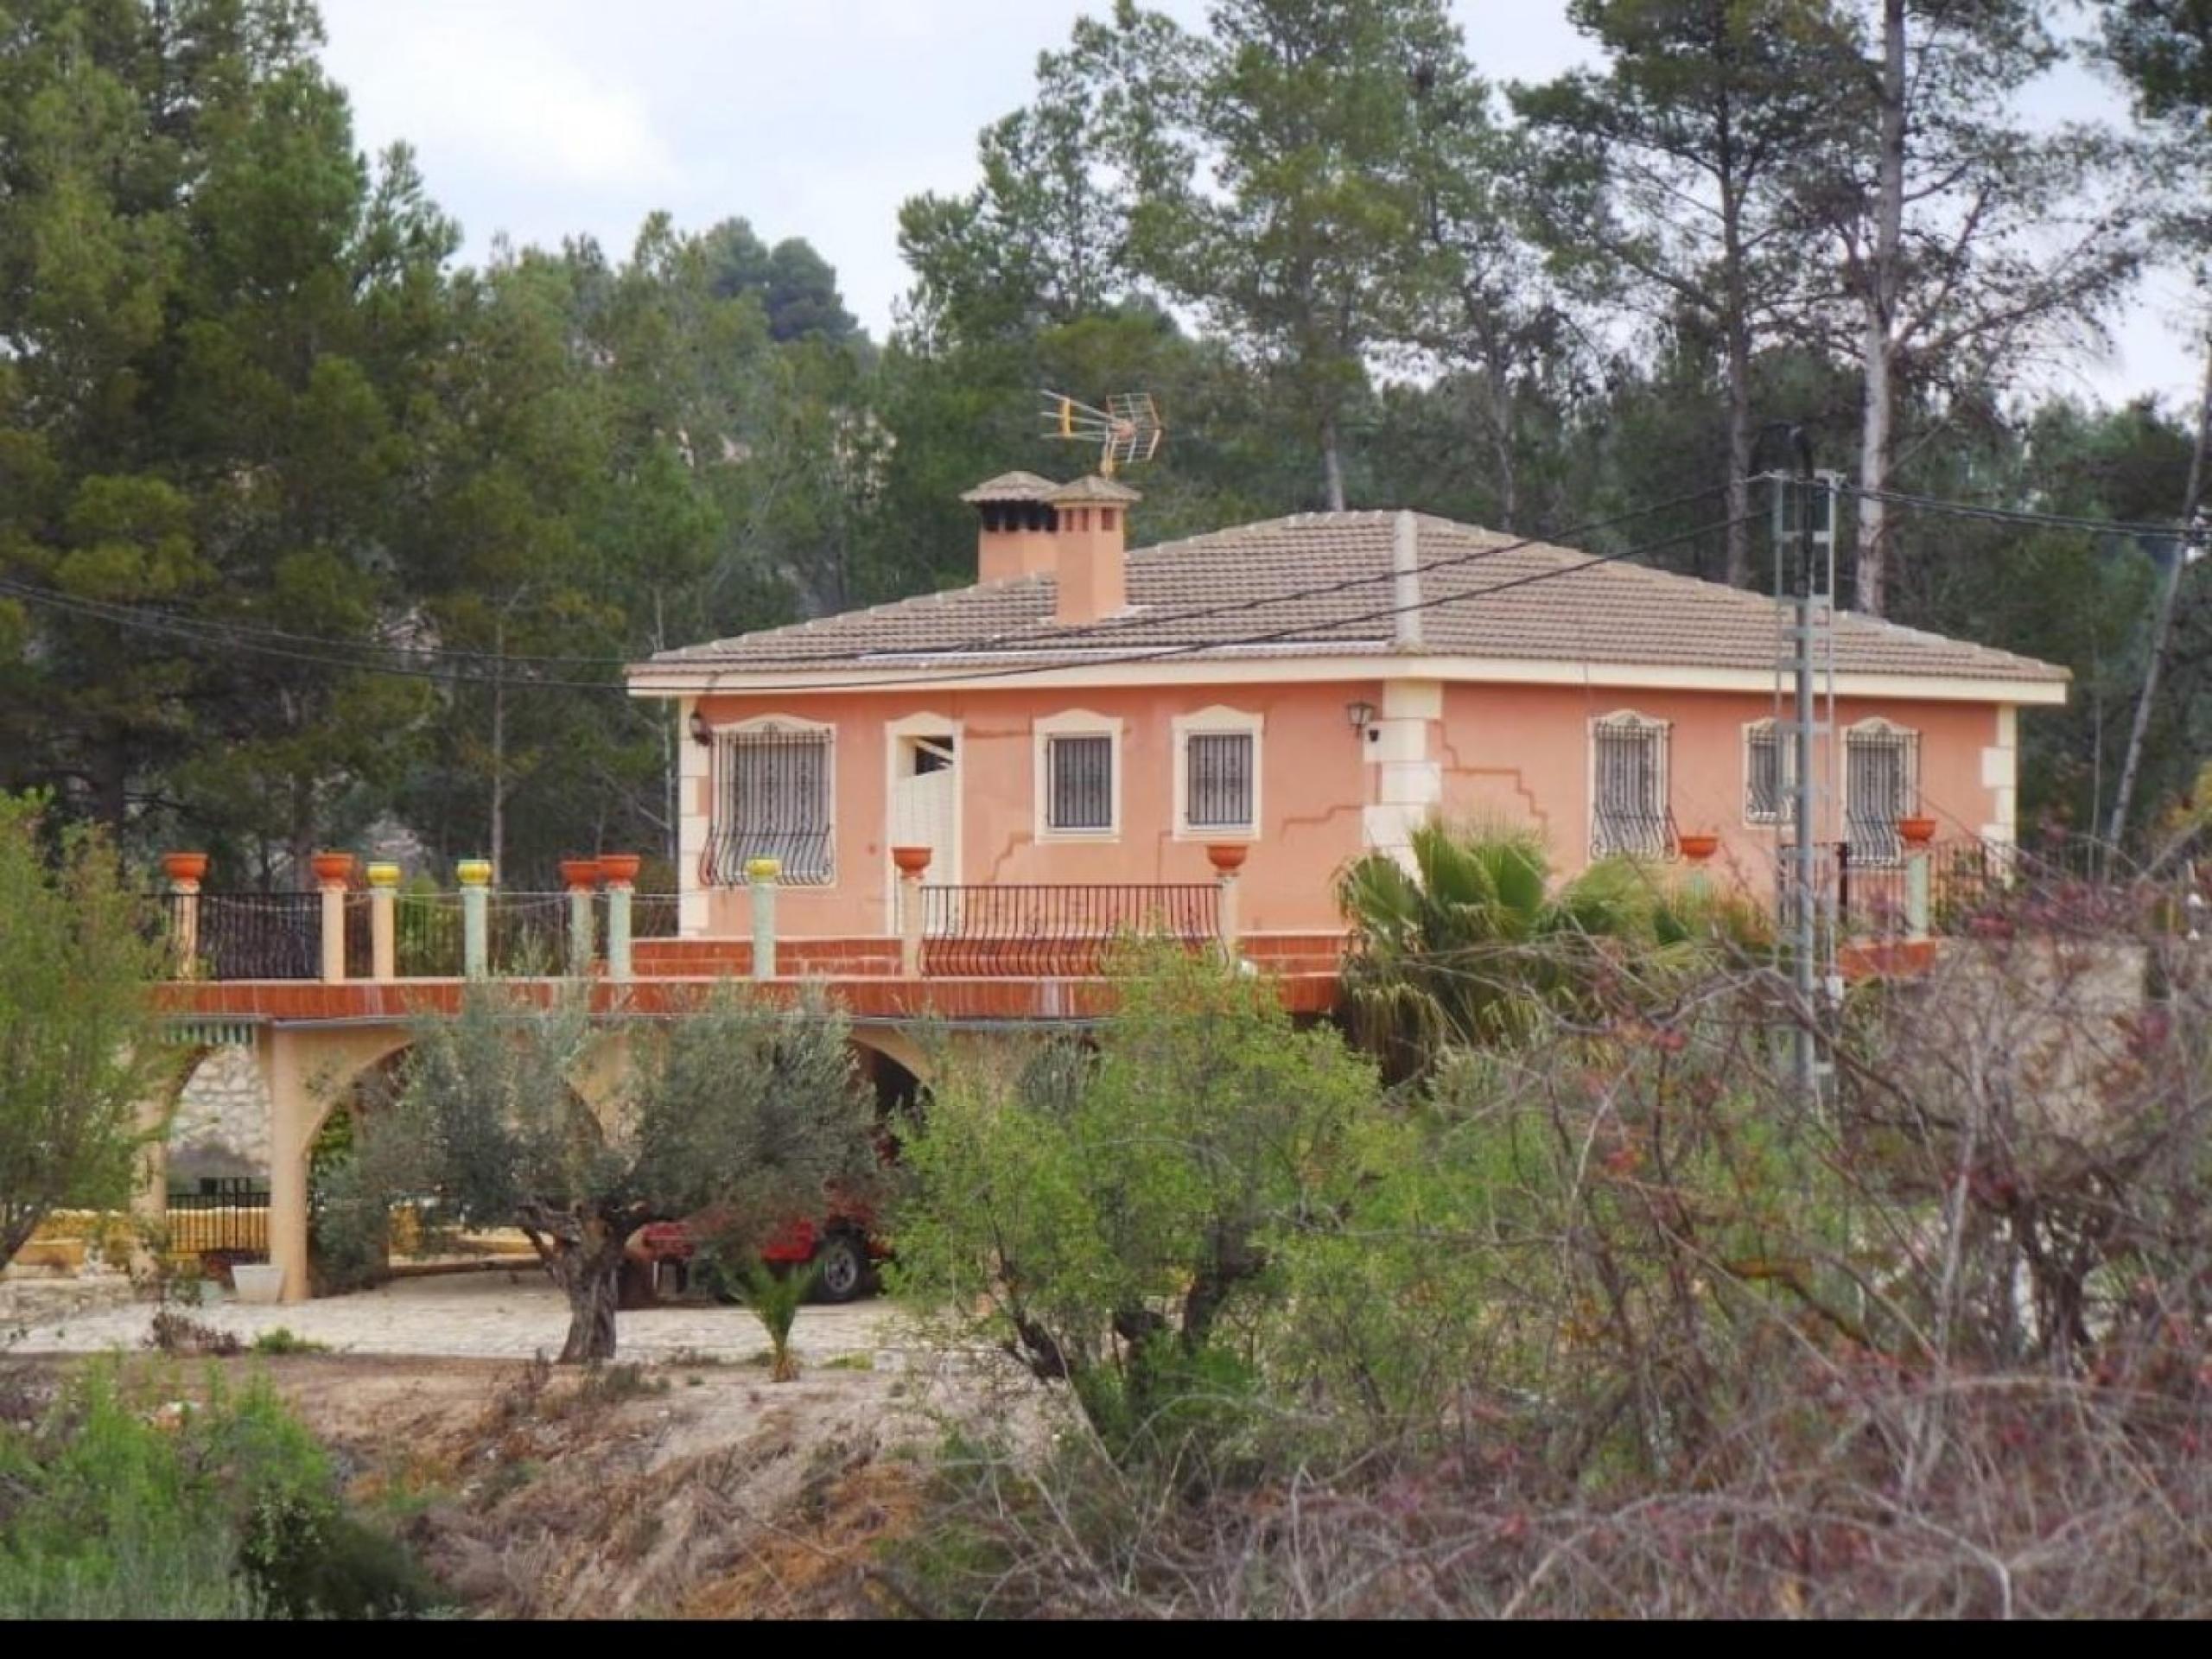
1473,947
774,1299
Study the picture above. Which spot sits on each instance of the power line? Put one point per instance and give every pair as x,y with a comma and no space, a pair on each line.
162,625
2014,515
243,636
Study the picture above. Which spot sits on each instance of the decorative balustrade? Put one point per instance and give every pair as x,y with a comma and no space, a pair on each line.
1053,932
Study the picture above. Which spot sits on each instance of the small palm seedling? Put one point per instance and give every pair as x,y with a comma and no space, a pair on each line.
774,1298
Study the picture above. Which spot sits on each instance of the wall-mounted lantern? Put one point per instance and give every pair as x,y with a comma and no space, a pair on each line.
702,732
1361,715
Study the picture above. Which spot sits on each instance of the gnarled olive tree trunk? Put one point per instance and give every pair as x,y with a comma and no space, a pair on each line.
581,1248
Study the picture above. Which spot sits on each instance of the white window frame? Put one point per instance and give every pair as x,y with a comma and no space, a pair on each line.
1786,752
1075,723
726,739
1662,732
1217,722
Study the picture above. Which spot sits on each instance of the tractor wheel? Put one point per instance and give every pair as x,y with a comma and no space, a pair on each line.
841,1269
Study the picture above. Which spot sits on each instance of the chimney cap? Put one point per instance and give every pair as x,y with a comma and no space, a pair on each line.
1012,486
1093,491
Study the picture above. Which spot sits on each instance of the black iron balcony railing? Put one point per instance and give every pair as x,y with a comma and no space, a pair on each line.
251,934
1056,931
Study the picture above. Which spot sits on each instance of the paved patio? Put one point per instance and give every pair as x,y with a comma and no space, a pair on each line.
494,1315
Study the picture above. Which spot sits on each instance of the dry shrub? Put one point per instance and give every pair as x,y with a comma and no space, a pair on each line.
1620,1325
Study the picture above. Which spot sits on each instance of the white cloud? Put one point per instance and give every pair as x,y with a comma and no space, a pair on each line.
530,109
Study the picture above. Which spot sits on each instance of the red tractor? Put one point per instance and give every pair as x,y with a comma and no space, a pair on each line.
840,1247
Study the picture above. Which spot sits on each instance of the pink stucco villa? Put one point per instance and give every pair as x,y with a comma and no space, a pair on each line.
1086,717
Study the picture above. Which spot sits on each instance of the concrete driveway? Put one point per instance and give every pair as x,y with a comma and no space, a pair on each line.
501,1315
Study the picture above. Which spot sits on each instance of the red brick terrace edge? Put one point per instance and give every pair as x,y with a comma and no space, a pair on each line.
873,998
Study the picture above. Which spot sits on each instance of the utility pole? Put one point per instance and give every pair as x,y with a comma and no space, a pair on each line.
1806,873
2161,630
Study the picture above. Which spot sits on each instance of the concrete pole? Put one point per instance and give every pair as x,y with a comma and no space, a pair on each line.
621,873
332,872
185,870
384,922
913,863
581,876
475,876
291,1113
761,873
1227,860
1917,891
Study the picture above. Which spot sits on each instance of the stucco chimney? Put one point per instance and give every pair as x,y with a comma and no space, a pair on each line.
1093,549
1404,570
1017,537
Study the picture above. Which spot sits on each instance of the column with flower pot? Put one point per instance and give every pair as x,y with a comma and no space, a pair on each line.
580,877
761,876
475,876
185,871
332,871
620,871
1918,833
1697,851
384,922
913,863
1227,858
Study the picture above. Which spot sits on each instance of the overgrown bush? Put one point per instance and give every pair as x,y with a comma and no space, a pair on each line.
124,1502
1610,1321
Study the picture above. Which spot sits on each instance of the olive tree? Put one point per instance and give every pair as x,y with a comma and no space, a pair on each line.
79,1056
729,1105
1113,1217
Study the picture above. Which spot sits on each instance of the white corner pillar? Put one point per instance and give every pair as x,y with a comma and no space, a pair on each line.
1406,771
2000,777
694,822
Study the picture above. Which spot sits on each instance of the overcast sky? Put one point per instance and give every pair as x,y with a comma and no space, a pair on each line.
818,118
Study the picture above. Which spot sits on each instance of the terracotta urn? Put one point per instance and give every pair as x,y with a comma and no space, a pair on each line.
184,866
911,861
1699,848
580,874
332,870
619,869
1917,831
1228,856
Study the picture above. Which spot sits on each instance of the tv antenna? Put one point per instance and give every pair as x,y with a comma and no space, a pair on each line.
1127,430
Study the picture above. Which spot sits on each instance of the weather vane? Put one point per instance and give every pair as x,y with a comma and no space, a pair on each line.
1127,430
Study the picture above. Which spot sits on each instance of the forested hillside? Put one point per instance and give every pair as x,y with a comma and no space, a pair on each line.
312,534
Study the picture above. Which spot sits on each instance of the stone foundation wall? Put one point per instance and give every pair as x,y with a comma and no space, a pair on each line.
221,1125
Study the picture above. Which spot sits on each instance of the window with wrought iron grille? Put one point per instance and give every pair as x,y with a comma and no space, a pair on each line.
1219,791
1629,812
1881,785
773,800
1770,774
1079,783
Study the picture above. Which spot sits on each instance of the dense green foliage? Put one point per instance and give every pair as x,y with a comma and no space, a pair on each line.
310,535
125,1504
79,1058
1475,945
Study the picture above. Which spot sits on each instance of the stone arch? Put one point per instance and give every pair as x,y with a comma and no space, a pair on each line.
895,1045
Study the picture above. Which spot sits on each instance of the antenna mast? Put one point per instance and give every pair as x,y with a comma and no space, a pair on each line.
1127,430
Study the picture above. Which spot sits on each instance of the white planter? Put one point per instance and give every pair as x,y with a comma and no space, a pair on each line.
261,1282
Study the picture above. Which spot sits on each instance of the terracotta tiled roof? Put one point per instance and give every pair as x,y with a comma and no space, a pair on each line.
1255,580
